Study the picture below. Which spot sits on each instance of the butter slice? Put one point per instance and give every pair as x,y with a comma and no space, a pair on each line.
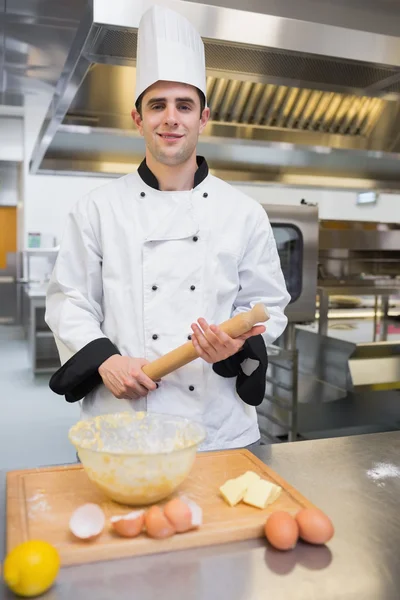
276,492
248,478
261,493
234,490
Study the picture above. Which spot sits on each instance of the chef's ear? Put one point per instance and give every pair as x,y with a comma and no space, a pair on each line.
137,119
205,115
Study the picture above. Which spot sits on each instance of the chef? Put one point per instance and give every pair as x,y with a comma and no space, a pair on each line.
161,256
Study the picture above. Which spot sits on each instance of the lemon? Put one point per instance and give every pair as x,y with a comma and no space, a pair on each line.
31,568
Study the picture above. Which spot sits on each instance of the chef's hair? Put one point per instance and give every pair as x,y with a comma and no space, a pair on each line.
138,103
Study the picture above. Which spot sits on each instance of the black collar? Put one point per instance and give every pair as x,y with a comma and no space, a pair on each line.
151,180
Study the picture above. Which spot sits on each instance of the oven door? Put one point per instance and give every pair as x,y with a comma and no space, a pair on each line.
296,229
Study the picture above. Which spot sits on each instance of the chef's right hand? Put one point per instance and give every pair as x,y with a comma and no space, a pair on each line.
123,376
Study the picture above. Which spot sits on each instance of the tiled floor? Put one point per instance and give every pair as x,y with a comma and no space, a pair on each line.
34,421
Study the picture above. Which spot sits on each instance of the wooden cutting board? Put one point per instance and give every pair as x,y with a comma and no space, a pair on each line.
40,503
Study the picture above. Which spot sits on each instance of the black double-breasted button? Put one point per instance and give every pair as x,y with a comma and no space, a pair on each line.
155,336
191,388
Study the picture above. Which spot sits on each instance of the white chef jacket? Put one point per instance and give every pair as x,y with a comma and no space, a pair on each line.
137,266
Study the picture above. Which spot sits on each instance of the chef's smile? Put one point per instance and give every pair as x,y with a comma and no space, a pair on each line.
170,137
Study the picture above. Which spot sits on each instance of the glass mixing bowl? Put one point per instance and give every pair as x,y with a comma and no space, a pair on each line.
137,458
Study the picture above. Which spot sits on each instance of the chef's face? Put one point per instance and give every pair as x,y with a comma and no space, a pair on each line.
171,119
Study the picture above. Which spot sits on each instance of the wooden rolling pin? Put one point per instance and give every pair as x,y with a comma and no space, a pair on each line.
236,326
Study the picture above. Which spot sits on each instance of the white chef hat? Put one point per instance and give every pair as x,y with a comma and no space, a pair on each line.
169,49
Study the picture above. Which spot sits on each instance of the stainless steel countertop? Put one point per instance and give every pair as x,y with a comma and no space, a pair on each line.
355,480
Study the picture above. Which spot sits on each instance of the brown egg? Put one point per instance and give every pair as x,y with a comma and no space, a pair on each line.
314,526
129,525
157,524
179,514
281,530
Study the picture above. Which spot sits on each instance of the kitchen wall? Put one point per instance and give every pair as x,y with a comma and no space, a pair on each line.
8,183
11,162
48,199
11,138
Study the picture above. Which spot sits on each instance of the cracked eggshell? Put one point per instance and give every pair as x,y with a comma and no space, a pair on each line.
87,522
196,510
157,524
130,525
183,513
179,514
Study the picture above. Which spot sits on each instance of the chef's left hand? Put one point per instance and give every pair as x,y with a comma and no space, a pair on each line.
213,345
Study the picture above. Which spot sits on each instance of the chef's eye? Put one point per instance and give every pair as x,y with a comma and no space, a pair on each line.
157,107
185,107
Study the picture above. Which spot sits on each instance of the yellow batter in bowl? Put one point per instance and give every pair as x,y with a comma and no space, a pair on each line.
137,458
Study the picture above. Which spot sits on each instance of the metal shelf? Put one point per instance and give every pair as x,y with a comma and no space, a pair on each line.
279,409
42,251
44,334
45,365
42,347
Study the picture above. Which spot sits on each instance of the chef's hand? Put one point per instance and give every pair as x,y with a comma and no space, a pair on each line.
123,376
213,345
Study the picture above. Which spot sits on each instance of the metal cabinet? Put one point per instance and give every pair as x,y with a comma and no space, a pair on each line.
42,347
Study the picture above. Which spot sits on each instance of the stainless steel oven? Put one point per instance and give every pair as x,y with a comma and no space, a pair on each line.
296,233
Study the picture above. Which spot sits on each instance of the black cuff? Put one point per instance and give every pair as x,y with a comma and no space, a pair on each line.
79,375
250,388
230,367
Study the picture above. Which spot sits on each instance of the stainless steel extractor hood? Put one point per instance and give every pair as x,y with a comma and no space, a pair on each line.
292,101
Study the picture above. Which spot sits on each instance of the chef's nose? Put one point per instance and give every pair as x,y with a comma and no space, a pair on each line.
171,115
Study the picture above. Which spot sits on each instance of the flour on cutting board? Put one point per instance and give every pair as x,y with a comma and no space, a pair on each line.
382,471
38,505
